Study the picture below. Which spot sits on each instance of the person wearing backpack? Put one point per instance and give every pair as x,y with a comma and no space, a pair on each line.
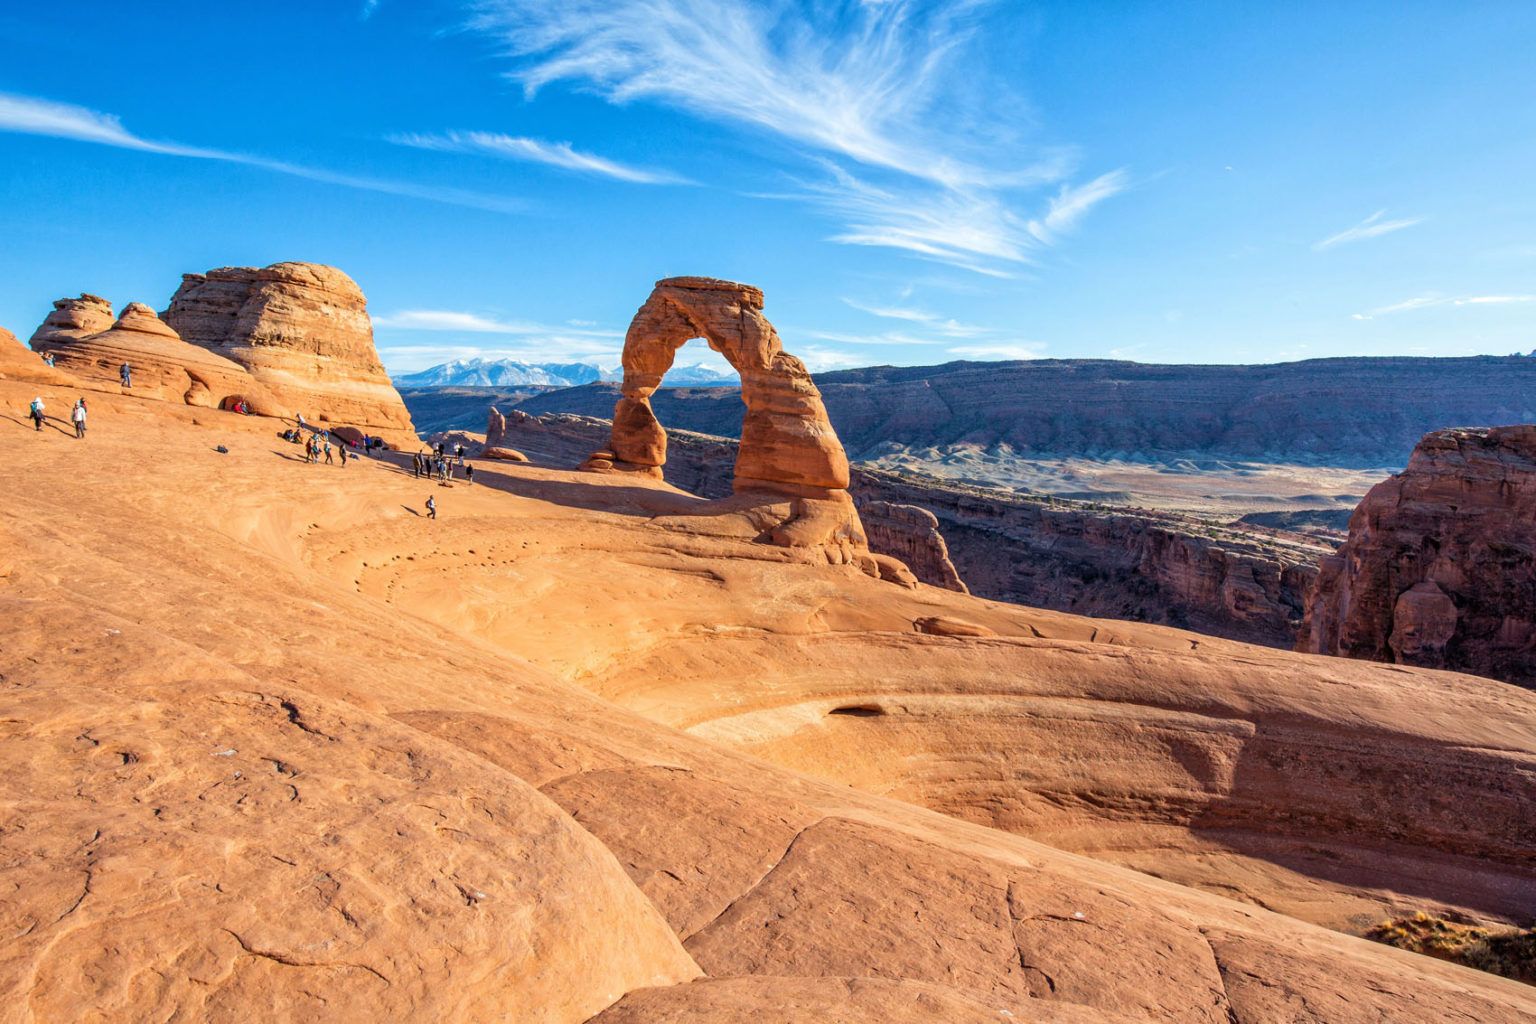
35,410
77,416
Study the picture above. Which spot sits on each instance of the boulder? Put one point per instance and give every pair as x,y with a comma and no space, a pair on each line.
502,454
301,329
1440,566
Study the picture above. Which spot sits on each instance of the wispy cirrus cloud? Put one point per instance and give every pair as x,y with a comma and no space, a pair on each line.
947,326
1433,300
1373,226
895,87
553,154
30,115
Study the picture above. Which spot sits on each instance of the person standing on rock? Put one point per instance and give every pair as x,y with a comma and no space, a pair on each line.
77,415
343,455
461,455
126,373
469,474
35,410
328,451
48,359
431,507
416,466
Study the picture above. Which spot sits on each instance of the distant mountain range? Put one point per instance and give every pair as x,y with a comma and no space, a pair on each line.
500,373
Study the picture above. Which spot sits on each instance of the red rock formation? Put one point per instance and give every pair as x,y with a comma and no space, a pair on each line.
788,448
301,329
1440,566
75,318
911,533
17,362
164,366
787,444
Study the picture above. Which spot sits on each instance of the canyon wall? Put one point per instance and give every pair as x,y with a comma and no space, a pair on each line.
1362,412
1440,566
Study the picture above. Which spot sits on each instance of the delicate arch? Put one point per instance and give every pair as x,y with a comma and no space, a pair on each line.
787,443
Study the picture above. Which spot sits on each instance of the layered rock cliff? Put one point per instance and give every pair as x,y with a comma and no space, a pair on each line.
1337,412
302,330
1440,566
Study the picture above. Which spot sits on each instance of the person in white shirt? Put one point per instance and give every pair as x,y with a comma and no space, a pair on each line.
78,416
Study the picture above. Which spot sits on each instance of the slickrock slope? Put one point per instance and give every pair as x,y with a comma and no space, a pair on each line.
302,330
18,362
164,366
1440,566
1247,584
293,752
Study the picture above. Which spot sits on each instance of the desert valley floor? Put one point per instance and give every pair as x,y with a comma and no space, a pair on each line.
277,746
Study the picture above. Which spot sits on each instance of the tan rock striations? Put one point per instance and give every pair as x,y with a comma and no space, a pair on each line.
788,449
301,329
163,366
1440,566
911,533
75,318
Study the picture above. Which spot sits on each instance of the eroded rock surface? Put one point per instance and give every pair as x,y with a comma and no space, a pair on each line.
163,366
1440,566
301,329
911,533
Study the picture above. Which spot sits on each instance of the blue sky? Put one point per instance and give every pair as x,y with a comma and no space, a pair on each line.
909,182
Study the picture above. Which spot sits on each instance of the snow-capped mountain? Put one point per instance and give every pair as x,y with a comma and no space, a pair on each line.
510,372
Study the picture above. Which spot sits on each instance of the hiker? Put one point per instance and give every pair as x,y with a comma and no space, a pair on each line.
365,444
302,424
77,415
461,455
126,373
48,359
343,455
469,474
416,466
327,451
431,507
35,410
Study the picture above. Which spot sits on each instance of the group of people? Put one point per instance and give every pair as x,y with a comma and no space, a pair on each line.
316,444
438,465
37,412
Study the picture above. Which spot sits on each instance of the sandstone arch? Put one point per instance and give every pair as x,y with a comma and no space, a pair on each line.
791,473
788,445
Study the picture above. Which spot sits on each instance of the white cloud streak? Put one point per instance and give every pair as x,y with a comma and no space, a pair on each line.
893,86
932,321
27,115
1432,301
1005,350
553,154
478,323
1372,227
